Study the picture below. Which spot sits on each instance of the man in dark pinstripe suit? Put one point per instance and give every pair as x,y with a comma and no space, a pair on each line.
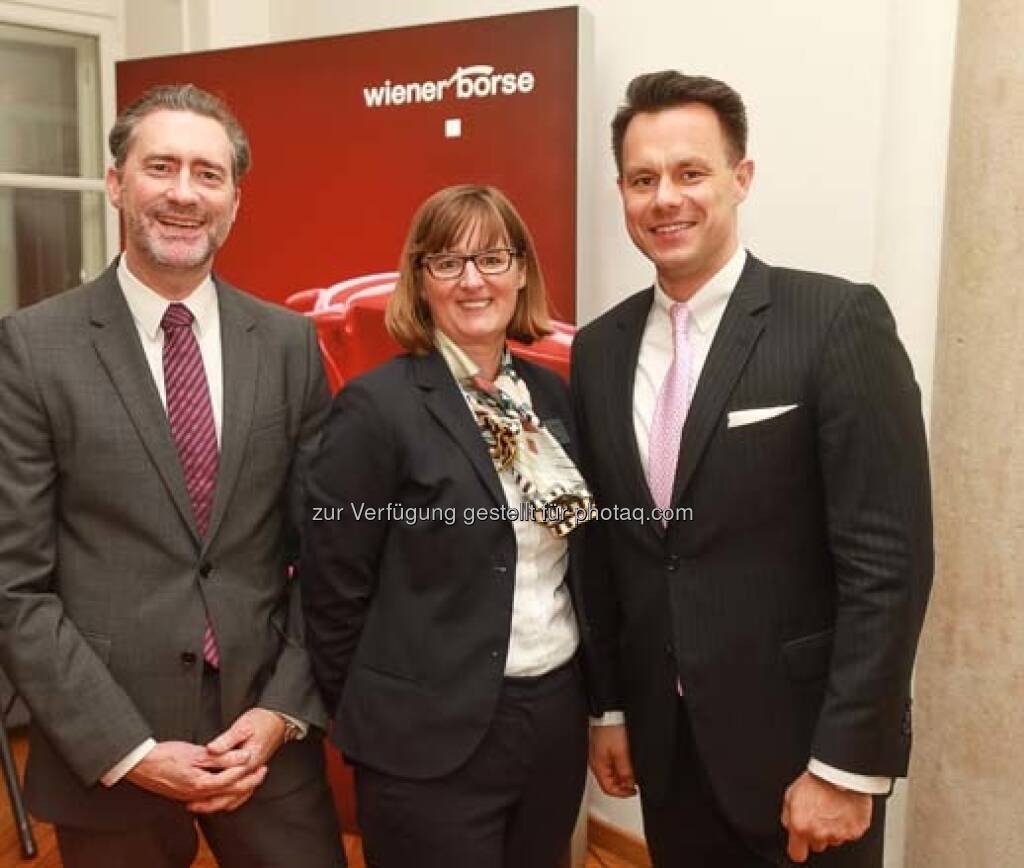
759,640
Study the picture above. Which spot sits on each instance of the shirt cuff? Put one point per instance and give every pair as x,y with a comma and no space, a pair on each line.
301,725
874,785
128,763
609,718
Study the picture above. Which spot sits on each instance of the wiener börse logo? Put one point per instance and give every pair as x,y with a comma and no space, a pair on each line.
467,82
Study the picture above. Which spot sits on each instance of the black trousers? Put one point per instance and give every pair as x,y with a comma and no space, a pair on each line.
689,830
513,804
298,827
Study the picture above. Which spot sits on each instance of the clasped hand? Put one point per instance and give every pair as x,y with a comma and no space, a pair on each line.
220,776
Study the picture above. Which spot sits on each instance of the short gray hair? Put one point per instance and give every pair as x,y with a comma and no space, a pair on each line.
181,98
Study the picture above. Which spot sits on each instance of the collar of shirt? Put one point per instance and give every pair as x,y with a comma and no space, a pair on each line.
147,306
706,307
707,304
463,368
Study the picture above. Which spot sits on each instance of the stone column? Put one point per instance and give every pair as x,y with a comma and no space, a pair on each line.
966,799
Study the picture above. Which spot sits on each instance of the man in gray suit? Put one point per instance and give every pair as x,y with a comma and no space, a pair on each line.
154,427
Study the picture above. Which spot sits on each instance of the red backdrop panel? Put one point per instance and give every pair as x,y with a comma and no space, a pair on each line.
335,181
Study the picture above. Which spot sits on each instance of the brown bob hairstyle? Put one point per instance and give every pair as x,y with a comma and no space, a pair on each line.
442,221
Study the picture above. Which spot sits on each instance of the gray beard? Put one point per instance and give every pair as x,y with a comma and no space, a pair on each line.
158,253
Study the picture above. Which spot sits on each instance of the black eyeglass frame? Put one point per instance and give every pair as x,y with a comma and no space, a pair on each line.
427,260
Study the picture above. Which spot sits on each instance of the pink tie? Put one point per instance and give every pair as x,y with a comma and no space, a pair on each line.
190,414
670,412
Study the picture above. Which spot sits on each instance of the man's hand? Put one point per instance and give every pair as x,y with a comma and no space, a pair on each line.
188,772
610,761
819,815
256,734
257,731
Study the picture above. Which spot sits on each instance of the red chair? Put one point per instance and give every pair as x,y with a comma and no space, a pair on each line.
349,318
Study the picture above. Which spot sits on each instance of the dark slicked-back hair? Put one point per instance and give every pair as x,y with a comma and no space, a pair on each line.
657,91
180,98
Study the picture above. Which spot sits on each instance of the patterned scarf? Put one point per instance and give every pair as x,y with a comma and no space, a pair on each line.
556,495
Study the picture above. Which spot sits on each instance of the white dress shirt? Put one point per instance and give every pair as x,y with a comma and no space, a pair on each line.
706,307
147,308
543,634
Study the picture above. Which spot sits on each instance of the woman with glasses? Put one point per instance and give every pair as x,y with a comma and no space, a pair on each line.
440,596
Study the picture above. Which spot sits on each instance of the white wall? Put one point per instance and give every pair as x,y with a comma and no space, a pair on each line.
153,27
848,104
849,110
849,113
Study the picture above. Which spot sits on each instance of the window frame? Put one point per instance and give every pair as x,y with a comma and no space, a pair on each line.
103,20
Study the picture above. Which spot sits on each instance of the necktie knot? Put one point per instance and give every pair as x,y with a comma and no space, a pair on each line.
680,314
176,316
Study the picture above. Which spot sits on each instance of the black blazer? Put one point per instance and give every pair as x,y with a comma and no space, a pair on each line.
791,601
408,618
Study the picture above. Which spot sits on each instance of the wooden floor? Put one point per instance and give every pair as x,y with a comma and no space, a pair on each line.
47,857
599,858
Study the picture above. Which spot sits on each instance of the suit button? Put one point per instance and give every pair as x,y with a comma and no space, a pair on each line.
205,568
501,569
188,658
670,652
494,655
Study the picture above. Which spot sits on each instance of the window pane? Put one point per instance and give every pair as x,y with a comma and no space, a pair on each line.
49,110
49,241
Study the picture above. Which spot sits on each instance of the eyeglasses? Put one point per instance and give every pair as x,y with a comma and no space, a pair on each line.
448,266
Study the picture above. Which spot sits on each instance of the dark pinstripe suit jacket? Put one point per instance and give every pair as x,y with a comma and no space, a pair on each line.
104,582
791,602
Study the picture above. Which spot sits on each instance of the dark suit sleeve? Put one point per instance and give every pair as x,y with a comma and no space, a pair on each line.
873,457
358,466
291,688
600,601
60,673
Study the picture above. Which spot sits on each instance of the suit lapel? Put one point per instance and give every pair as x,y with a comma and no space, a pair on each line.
445,403
240,356
741,326
116,340
623,357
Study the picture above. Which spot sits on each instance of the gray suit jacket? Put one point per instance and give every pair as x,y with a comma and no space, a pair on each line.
104,583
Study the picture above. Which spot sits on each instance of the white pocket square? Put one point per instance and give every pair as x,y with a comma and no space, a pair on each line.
757,414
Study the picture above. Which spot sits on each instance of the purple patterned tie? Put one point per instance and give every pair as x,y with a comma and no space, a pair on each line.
191,416
670,412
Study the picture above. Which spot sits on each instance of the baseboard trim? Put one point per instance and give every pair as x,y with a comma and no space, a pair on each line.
618,842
